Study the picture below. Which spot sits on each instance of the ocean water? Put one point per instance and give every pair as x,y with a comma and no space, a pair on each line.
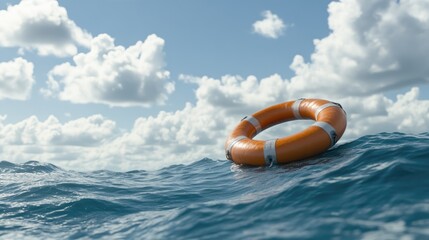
375,187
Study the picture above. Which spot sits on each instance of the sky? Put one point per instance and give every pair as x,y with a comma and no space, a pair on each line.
138,84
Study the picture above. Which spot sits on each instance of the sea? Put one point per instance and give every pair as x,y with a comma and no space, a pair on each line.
374,187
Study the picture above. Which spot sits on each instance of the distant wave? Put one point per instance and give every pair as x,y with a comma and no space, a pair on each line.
374,188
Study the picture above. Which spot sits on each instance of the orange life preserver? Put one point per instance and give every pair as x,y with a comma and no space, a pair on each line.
330,125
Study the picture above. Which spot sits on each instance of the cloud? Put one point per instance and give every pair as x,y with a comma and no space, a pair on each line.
16,79
90,131
271,26
238,94
168,138
74,144
94,142
41,25
406,118
113,75
372,47
407,114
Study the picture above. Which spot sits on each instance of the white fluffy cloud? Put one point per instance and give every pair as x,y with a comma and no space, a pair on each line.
74,144
407,114
236,94
169,138
271,26
90,131
41,25
113,75
374,46
16,79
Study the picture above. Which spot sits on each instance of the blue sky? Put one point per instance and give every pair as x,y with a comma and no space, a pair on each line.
205,65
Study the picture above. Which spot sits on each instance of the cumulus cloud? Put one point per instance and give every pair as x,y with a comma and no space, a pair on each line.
73,144
113,75
41,25
90,131
271,26
178,137
407,113
16,79
237,94
373,47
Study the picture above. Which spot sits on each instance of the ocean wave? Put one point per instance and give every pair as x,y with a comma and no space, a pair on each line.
374,187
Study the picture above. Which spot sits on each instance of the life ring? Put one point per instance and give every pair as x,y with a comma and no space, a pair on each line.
330,125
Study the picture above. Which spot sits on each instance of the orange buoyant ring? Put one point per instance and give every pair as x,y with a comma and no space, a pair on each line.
330,125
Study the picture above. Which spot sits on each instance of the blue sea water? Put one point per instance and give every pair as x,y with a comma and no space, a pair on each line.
375,187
